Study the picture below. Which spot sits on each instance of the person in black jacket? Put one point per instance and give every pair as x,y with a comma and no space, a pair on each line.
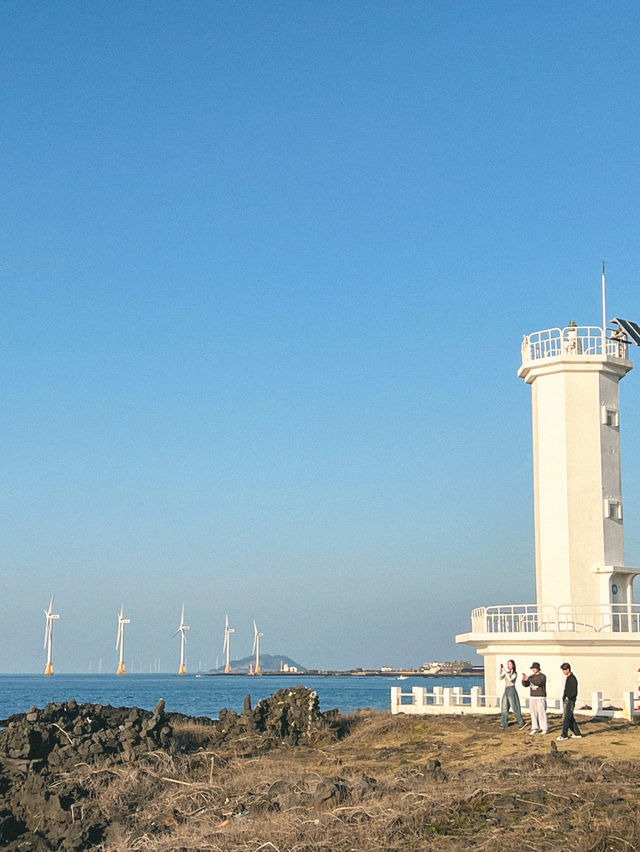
568,703
538,699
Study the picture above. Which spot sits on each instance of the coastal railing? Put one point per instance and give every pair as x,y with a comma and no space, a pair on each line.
533,618
443,700
574,340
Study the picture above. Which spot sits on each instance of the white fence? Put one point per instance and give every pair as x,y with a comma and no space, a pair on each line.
572,341
531,618
444,700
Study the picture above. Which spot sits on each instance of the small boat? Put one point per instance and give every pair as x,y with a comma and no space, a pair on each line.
401,677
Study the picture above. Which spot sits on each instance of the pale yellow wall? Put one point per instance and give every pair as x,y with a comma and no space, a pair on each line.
585,517
611,471
610,669
576,464
550,489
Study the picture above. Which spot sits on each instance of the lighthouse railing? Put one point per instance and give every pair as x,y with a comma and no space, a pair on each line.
513,618
574,340
534,618
601,618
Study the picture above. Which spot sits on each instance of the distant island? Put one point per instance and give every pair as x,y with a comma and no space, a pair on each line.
269,663
272,664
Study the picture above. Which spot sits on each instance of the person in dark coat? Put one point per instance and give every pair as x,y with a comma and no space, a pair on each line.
538,699
569,697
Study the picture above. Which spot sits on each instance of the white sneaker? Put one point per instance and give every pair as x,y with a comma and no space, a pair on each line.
576,736
531,733
562,738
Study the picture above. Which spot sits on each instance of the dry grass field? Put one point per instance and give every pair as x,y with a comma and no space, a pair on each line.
389,783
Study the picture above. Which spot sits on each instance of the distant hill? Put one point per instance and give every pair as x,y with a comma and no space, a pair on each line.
268,663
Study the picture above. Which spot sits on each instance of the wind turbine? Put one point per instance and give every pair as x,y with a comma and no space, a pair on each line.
120,640
256,648
49,616
226,647
182,629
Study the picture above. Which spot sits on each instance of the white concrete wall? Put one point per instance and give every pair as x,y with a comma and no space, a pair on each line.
576,466
550,491
610,667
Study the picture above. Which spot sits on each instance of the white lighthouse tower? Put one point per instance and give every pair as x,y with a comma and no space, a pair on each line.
585,611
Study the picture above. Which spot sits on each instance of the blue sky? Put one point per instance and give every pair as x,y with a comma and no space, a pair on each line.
264,275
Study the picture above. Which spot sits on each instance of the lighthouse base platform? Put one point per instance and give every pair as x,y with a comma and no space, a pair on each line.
453,701
606,663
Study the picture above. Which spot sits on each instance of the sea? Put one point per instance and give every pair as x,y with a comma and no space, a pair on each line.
205,695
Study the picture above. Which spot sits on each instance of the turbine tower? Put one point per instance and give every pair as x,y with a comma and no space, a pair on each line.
49,616
256,648
182,629
227,643
120,640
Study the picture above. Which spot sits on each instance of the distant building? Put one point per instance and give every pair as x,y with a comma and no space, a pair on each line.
454,666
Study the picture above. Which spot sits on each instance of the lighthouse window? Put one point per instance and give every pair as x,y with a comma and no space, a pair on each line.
613,509
610,416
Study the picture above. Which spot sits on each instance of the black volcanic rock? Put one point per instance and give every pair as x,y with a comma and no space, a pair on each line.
41,798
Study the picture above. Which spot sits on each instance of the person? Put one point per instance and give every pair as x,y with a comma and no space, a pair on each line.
510,699
569,696
619,337
538,700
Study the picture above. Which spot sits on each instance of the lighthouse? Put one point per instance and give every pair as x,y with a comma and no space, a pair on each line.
584,610
577,482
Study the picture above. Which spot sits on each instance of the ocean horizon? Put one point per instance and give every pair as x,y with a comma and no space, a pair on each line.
206,695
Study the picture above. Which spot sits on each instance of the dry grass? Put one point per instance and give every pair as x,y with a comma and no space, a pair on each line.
496,791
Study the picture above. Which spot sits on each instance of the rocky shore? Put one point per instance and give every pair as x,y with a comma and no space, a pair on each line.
284,776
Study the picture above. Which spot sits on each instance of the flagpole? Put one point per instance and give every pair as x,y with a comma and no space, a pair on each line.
604,310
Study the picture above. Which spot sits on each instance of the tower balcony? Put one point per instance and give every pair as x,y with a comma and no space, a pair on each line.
574,341
597,619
